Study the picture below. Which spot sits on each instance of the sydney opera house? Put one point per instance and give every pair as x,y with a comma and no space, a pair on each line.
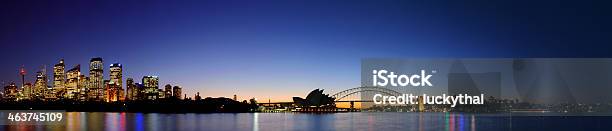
315,98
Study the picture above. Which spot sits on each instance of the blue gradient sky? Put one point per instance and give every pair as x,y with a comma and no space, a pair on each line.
279,49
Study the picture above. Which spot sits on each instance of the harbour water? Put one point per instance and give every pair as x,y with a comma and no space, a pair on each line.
369,121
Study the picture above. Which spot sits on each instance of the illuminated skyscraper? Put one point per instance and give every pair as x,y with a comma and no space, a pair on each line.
151,85
40,85
96,78
112,92
82,87
26,92
72,84
116,74
46,91
121,95
105,90
116,78
168,91
176,90
59,78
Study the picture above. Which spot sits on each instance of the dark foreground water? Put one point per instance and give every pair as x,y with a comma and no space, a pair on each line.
309,122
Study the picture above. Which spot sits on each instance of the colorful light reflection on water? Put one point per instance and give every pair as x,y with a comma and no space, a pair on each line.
98,121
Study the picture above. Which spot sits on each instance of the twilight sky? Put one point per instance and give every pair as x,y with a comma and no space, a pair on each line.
280,49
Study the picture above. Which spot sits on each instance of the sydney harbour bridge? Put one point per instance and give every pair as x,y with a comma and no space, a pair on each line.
345,95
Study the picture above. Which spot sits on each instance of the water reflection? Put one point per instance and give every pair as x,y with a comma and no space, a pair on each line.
139,119
255,122
96,121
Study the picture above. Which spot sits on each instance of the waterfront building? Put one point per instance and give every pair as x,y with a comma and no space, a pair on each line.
121,95
131,90
160,94
168,91
140,92
315,98
176,90
50,94
96,78
82,87
72,83
10,92
59,77
112,92
105,89
40,85
26,91
151,86
116,74
114,87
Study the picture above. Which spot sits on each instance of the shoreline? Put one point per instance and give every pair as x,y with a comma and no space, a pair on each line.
209,105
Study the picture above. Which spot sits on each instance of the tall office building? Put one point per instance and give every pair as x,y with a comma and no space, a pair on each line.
168,91
48,93
116,78
176,90
105,90
131,90
59,78
82,87
116,74
121,95
40,85
27,91
112,92
96,78
140,92
72,83
151,86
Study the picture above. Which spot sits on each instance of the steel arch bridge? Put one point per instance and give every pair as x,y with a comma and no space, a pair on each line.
348,92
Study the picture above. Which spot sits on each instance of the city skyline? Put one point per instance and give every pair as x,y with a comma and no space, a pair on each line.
282,49
73,85
64,78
